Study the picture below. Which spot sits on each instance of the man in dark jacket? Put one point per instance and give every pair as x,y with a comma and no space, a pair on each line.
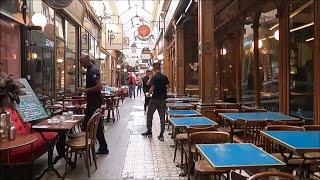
146,88
158,89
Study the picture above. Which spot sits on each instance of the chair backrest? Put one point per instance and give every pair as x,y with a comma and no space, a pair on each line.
191,130
92,126
209,137
283,128
311,127
295,123
252,131
267,175
254,110
232,106
218,119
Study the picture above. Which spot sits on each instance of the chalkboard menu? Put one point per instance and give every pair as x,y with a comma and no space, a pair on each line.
30,108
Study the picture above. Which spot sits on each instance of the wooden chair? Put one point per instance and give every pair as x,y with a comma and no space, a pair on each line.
202,167
116,106
86,143
267,175
311,127
218,119
254,110
251,132
283,128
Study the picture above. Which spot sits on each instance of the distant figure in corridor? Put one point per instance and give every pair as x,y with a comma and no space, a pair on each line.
94,99
158,92
139,85
146,88
132,85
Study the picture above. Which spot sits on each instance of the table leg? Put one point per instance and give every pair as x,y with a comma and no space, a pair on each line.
60,145
50,161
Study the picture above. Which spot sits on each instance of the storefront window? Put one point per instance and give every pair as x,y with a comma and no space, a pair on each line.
59,27
247,66
269,58
60,70
70,65
10,48
39,64
84,42
301,51
92,46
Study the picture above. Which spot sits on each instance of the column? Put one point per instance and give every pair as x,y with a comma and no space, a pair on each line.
255,28
166,61
179,60
206,56
206,50
316,108
284,60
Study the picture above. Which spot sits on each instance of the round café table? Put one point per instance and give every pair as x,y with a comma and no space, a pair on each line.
21,140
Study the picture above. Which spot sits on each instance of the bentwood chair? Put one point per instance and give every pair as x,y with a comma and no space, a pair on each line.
251,132
218,119
276,175
86,143
182,139
202,167
311,127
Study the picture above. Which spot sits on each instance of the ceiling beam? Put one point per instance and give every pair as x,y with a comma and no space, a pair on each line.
129,4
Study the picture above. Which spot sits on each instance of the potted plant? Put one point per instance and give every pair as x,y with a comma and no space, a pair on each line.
10,90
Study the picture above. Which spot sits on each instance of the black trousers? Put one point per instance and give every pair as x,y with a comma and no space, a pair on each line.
160,105
146,102
91,108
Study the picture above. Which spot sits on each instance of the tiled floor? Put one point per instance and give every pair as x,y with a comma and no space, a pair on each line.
131,155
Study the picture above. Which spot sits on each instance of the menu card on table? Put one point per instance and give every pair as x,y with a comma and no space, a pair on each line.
30,108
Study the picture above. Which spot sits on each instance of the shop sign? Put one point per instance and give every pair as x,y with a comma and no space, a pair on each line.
49,43
90,27
114,36
144,33
126,43
76,10
12,9
145,56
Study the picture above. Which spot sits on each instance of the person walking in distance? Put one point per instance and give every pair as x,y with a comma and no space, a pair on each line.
146,88
158,89
132,85
139,86
94,99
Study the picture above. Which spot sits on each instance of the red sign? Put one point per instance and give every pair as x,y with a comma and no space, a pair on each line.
144,30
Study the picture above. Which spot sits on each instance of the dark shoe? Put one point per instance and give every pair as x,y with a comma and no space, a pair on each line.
148,133
100,151
161,138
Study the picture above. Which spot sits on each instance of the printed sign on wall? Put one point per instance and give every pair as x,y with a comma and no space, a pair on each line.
114,36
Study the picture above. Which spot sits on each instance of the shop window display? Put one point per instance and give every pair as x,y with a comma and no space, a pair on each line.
301,52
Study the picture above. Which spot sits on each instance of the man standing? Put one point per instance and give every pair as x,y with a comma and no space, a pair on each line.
94,99
146,88
158,90
132,85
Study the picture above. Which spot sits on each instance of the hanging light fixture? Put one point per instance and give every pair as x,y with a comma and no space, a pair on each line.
276,35
39,19
134,47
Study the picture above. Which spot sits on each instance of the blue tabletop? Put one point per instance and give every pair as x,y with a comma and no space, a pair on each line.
192,121
256,116
176,113
237,156
179,105
299,141
182,99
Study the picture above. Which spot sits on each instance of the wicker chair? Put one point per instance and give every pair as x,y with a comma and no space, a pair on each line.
86,143
267,175
202,167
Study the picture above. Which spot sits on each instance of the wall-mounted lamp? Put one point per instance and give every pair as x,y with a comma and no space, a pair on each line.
39,19
276,35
